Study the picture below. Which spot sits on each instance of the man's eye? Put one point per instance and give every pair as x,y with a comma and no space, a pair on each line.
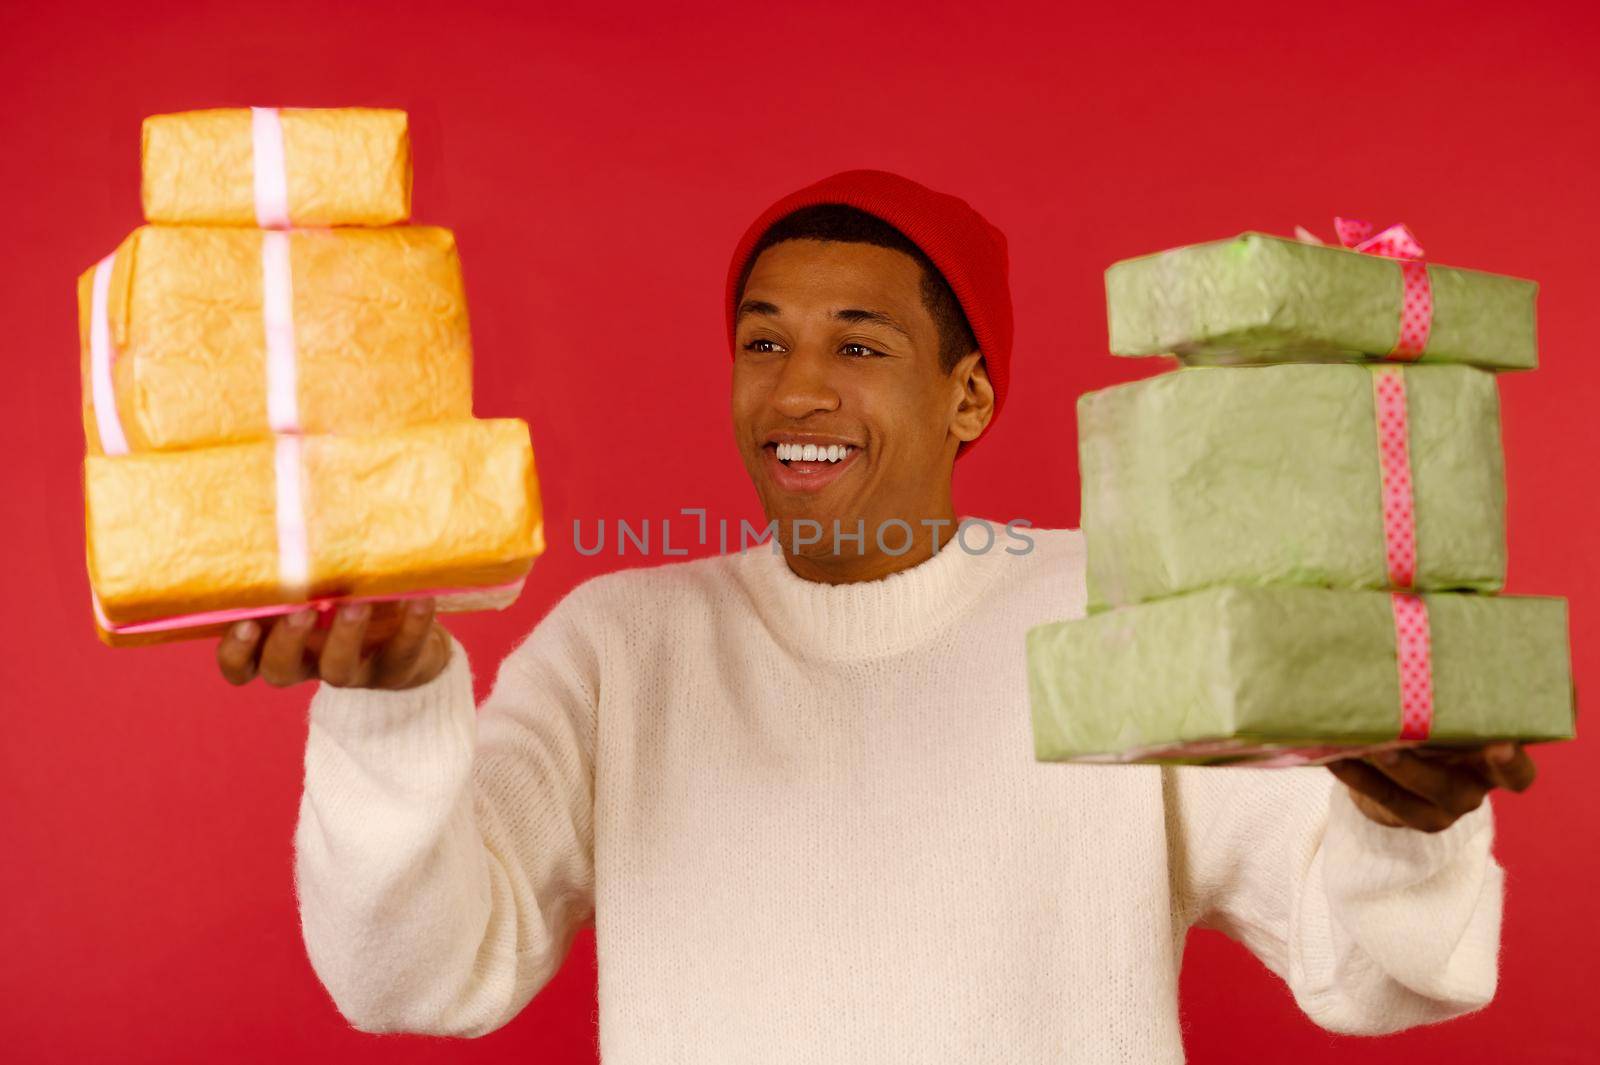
751,346
866,350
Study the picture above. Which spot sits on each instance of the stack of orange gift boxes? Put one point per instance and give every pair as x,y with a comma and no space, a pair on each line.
277,388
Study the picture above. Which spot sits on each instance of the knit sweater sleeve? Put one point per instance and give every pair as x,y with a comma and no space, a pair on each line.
1374,928
444,852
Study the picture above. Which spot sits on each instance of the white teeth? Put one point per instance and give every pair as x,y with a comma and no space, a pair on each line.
813,453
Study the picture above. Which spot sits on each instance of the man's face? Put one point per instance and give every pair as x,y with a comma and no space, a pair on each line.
834,348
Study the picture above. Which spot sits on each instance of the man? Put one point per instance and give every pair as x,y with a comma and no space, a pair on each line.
796,791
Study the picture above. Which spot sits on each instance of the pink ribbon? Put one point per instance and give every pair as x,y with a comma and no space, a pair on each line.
277,323
1414,657
1413,647
294,552
322,603
102,354
1394,467
271,174
1416,297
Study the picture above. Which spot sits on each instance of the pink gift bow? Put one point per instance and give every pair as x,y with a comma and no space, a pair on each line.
1398,243
1413,643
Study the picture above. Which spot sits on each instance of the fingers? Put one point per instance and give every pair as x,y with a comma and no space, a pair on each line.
1503,764
1430,789
283,659
398,659
1410,808
293,649
1457,789
340,664
236,652
1510,768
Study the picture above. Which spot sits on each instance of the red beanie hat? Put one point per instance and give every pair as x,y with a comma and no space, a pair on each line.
969,252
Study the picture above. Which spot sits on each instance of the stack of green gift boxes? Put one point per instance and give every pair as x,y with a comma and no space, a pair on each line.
1296,540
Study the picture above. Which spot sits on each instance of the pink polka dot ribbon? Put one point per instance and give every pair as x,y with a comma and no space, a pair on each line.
1414,654
1413,646
1416,291
1394,467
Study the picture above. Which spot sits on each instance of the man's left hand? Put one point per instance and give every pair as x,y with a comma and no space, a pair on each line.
1428,788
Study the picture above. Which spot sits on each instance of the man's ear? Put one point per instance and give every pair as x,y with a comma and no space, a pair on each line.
974,400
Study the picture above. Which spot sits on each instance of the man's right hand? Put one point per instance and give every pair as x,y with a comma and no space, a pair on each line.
389,645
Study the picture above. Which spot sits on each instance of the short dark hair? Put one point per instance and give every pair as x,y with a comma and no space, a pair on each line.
851,225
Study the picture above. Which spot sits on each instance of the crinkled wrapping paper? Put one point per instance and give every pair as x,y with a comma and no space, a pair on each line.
1270,474
450,504
1286,667
380,332
343,166
1260,298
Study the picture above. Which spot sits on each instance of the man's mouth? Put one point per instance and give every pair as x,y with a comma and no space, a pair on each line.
793,455
808,467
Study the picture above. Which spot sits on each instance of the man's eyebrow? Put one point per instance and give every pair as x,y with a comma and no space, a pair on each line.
855,314
848,314
756,307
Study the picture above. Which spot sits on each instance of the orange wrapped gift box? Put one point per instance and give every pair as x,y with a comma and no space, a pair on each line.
452,508
211,335
240,166
278,417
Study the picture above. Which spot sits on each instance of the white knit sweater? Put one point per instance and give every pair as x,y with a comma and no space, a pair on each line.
807,822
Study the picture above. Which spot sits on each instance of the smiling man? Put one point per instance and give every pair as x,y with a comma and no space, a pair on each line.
795,791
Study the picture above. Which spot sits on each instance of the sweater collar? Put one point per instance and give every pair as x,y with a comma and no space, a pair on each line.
868,619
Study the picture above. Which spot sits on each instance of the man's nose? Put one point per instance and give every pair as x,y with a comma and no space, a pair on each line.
805,384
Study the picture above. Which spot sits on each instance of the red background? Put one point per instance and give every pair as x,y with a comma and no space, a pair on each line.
597,168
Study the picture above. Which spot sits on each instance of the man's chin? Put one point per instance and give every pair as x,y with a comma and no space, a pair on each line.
810,530
808,515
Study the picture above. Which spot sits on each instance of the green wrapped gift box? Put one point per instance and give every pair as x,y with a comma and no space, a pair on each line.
1270,474
1241,673
1258,298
